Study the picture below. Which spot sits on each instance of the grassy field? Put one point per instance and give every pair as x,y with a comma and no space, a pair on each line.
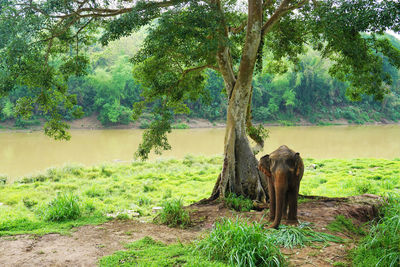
99,193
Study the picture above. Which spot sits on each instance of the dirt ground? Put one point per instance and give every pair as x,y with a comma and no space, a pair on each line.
87,244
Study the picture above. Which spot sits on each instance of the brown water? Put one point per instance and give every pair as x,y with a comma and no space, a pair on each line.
23,153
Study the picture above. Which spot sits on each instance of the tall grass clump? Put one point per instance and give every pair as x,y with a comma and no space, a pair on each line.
173,214
290,236
240,244
238,203
62,208
381,247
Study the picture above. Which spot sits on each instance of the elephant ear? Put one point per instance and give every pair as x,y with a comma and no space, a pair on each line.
264,165
299,166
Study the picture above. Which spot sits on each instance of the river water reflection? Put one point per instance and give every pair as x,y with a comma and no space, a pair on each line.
23,153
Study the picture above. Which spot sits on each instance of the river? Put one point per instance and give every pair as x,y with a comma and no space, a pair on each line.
25,153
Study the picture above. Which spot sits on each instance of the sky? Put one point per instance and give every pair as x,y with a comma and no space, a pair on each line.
397,35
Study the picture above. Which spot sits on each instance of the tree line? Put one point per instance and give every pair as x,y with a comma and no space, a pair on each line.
281,94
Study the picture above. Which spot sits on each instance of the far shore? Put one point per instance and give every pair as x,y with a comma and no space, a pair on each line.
91,123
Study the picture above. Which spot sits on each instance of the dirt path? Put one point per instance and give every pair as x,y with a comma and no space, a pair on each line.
86,245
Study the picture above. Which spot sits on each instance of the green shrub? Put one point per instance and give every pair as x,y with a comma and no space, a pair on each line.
3,179
63,207
173,214
21,123
238,203
144,124
381,247
240,244
180,126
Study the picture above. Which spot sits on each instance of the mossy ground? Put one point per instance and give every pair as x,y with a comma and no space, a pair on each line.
139,186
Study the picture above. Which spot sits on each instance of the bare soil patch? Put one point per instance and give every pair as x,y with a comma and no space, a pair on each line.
87,244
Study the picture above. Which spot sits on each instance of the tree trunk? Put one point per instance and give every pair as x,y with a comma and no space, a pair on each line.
240,174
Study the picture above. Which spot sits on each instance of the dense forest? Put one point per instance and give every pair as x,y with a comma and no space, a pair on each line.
284,94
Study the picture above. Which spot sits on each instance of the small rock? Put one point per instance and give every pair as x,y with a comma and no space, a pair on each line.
314,166
157,209
1,204
132,213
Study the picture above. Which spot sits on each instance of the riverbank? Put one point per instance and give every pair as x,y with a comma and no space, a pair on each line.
92,123
120,198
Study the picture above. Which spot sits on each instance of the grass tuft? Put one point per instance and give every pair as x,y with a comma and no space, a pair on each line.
290,236
240,244
238,203
343,224
173,214
62,208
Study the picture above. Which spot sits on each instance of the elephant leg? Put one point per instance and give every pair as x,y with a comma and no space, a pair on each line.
285,206
280,192
293,196
272,199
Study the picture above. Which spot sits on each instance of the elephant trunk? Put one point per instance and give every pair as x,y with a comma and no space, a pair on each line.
281,186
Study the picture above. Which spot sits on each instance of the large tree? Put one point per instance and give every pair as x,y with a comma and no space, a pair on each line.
43,43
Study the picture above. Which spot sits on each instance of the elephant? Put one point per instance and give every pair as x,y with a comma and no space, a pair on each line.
283,170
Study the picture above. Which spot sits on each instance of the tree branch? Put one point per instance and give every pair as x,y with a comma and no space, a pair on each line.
282,10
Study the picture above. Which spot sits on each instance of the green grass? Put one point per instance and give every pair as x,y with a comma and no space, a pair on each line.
240,243
147,252
62,208
173,214
238,203
344,225
343,177
139,186
381,247
290,237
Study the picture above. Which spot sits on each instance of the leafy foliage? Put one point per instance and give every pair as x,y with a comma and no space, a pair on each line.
381,247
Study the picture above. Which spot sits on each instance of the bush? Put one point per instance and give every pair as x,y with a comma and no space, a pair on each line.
240,244
144,124
3,179
63,207
21,123
180,126
381,247
238,203
173,214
